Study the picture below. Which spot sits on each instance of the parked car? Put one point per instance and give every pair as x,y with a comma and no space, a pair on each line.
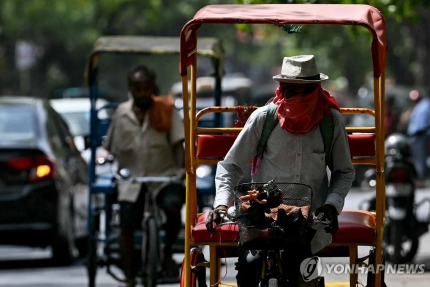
43,180
76,113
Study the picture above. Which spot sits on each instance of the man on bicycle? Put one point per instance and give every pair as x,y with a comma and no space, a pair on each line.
294,153
146,136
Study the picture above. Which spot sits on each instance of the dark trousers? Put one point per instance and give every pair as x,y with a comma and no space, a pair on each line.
170,199
249,264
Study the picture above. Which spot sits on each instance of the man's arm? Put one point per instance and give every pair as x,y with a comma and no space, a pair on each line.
177,138
231,170
343,172
108,143
178,149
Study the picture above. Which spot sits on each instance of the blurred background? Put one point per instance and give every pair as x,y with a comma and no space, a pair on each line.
44,44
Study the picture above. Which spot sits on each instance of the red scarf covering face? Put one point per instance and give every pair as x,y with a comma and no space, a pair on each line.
301,113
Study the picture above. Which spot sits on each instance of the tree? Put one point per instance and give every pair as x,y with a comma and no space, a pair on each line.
64,32
407,40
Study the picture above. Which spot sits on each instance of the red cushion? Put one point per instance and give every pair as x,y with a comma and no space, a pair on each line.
355,226
361,145
224,233
217,146
214,145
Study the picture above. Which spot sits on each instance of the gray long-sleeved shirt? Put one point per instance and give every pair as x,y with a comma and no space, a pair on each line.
289,158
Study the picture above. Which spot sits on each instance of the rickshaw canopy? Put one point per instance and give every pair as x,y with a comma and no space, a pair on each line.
210,47
280,14
207,47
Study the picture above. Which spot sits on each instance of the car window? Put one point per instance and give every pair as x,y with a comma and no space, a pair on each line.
78,122
17,122
63,131
58,130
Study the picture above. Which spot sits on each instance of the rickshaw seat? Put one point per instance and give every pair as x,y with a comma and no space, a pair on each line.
356,227
362,144
214,146
224,233
217,146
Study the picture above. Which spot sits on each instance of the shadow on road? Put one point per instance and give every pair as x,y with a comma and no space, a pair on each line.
33,263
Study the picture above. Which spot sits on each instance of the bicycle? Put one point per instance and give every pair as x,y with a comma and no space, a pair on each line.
152,223
150,237
270,217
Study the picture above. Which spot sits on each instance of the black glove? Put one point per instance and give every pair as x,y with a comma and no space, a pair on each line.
330,213
215,216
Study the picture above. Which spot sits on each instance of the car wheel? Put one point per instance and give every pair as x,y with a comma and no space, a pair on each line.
63,243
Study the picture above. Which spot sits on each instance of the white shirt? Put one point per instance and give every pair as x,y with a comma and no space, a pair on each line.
140,148
289,158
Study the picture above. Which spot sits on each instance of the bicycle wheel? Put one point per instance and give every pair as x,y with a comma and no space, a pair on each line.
198,274
150,253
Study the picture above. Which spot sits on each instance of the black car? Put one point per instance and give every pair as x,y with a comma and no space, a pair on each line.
43,180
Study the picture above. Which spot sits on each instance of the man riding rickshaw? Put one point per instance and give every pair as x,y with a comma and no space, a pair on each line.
228,148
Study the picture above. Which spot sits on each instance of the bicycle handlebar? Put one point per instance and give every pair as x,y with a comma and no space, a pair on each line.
149,179
320,218
104,160
228,216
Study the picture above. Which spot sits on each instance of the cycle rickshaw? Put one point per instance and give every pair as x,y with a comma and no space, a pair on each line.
103,216
209,145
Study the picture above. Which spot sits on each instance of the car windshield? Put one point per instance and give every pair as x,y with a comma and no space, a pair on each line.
78,122
17,123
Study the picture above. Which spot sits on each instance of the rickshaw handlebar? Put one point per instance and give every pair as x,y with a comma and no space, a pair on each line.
124,174
149,179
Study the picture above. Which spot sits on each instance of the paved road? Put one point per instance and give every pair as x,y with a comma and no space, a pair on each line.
25,267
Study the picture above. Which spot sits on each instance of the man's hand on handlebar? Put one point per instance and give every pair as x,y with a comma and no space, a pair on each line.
108,158
215,216
330,213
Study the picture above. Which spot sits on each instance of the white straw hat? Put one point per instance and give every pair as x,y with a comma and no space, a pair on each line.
300,69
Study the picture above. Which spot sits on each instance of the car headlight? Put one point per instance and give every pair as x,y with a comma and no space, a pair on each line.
203,171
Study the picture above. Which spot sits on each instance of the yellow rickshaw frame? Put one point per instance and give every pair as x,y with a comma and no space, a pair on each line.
278,15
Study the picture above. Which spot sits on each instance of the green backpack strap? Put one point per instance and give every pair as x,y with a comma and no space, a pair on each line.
327,131
269,124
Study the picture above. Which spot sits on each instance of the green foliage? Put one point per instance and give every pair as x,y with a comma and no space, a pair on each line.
405,32
65,31
398,10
